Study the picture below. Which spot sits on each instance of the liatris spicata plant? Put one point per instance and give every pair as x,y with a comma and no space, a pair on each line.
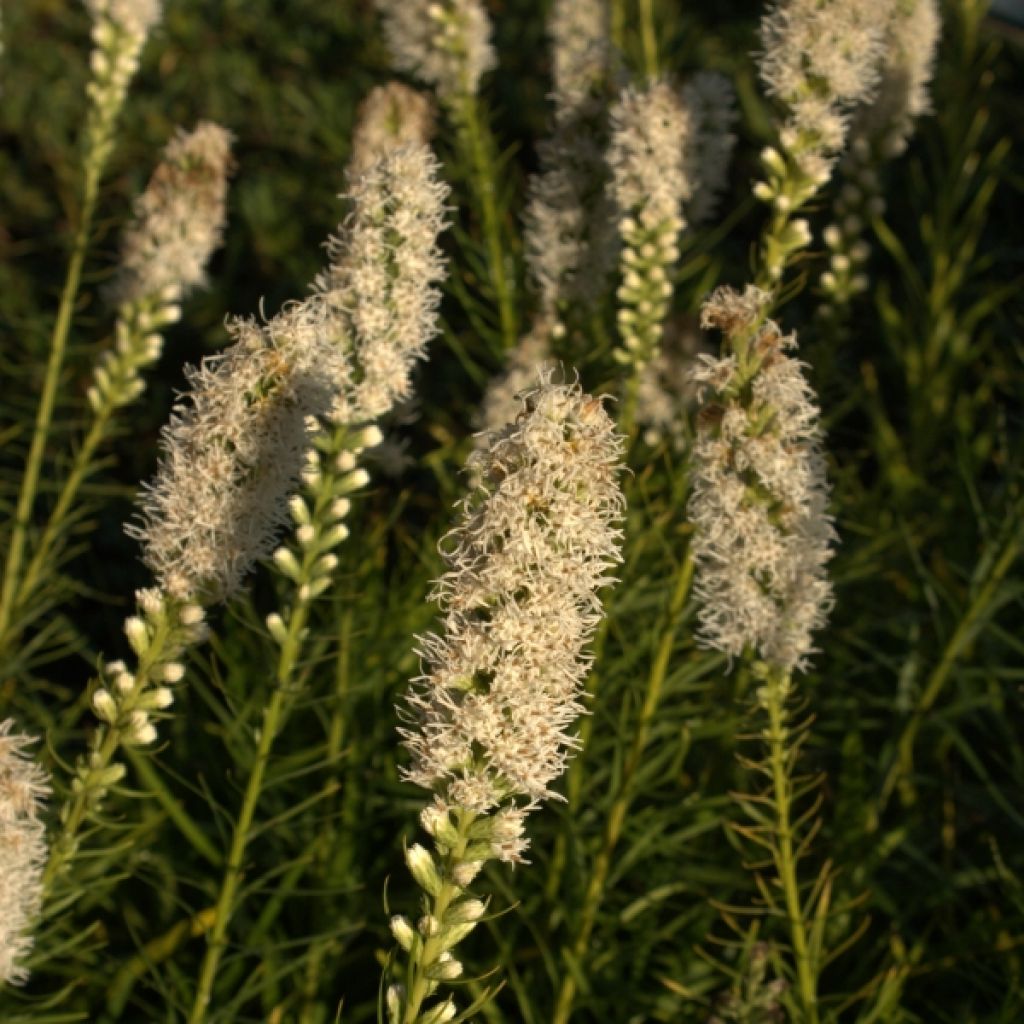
759,503
879,132
119,32
391,117
24,788
179,222
819,61
489,723
447,44
762,538
650,133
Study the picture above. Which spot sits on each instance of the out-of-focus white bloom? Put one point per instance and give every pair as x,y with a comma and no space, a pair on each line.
759,505
179,219
570,234
907,66
651,131
119,32
385,267
880,131
489,723
501,402
711,101
820,59
132,17
391,117
24,787
235,448
584,61
446,43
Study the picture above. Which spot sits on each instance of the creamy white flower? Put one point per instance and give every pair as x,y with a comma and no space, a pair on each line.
134,18
391,117
907,65
759,504
237,443
234,450
650,135
649,155
446,43
383,277
584,61
820,59
24,787
570,234
490,721
179,219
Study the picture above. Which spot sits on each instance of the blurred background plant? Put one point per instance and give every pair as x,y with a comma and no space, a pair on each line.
642,898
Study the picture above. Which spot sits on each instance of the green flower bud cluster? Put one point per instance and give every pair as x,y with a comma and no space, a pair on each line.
463,843
117,379
330,475
648,255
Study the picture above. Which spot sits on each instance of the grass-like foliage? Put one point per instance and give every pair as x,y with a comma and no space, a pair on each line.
511,512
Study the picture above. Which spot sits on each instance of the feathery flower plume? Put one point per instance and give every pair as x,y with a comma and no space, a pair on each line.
383,277
711,101
570,236
234,450
391,117
489,723
445,43
179,219
762,532
648,155
236,446
880,131
907,65
584,61
24,787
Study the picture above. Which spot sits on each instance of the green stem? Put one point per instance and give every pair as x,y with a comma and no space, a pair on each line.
80,469
479,148
417,984
273,716
777,734
649,38
48,396
620,806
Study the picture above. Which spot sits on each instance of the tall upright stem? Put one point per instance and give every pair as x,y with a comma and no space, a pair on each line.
780,758
47,399
620,805
273,715
479,149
